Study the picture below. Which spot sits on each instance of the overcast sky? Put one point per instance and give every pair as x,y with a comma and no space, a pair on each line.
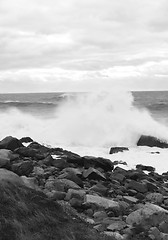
80,45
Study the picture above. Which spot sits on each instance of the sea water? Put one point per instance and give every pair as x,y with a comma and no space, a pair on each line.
91,123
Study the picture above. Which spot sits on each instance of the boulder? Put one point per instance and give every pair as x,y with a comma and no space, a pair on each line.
22,168
71,176
61,185
145,168
99,188
102,202
118,149
8,176
138,186
149,214
105,164
151,142
94,174
26,140
73,193
5,157
155,197
10,143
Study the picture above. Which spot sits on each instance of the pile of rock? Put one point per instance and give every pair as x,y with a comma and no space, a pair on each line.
122,204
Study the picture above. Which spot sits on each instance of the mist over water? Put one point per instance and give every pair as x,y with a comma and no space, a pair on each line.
91,120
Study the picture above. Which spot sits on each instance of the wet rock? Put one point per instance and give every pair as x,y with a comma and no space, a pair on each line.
118,149
150,214
102,202
145,168
151,142
26,140
139,187
90,161
10,143
22,168
94,174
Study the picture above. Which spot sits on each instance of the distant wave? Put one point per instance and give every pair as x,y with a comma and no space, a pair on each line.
24,104
158,106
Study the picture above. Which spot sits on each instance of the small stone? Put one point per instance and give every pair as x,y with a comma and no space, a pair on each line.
129,199
99,215
117,226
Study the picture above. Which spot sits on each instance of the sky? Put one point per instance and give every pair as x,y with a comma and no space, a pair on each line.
83,45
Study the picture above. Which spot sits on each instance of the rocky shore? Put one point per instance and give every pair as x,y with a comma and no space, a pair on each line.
50,193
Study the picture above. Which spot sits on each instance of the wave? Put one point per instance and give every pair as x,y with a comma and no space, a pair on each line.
93,120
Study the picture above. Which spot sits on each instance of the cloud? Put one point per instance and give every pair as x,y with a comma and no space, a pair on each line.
82,41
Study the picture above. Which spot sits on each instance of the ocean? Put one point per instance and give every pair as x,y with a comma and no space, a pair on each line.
91,123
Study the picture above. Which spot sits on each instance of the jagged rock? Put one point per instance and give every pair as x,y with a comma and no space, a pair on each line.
118,149
139,187
26,140
10,143
8,176
155,198
151,142
145,168
92,173
102,202
22,168
150,214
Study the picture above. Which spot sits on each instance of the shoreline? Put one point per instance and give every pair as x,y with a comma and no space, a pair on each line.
116,203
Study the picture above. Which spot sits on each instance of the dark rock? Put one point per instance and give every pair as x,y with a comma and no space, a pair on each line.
118,149
26,140
151,142
145,168
139,187
22,168
94,174
73,193
5,157
26,152
99,188
9,176
117,176
10,143
60,163
71,176
90,161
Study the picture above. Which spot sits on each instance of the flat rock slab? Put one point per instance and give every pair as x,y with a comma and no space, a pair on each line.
148,214
139,187
130,199
101,201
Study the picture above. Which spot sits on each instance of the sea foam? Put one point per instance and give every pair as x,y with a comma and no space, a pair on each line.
90,119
